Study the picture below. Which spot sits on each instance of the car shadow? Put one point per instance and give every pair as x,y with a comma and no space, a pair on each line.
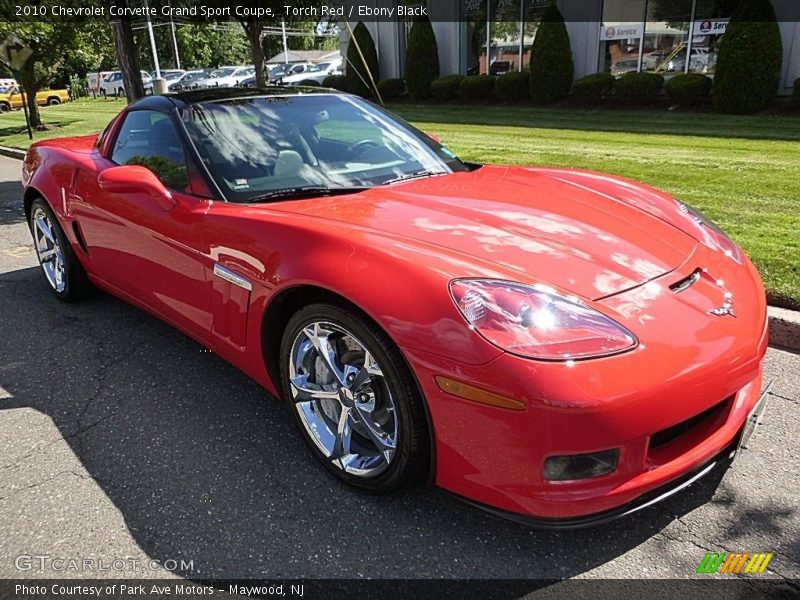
205,466
11,212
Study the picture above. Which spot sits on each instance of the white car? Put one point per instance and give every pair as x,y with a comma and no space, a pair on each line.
114,85
227,77
187,81
315,73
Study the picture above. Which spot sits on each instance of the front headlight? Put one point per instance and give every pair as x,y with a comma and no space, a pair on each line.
712,235
536,322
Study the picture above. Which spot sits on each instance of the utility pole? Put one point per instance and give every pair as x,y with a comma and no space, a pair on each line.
175,54
285,46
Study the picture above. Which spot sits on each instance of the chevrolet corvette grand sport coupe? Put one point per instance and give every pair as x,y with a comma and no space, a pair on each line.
558,346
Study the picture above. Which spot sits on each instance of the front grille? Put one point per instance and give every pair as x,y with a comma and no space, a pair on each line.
711,418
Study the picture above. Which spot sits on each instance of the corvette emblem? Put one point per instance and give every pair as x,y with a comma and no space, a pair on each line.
725,309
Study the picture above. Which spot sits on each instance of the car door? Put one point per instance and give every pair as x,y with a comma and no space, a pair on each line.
142,245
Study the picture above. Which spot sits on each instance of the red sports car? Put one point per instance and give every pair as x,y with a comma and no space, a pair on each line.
558,346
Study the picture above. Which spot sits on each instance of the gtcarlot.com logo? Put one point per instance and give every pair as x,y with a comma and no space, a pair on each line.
45,562
744,563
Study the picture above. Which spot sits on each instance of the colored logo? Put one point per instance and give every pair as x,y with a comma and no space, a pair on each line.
721,562
705,26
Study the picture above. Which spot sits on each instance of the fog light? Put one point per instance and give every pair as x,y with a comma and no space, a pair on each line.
580,466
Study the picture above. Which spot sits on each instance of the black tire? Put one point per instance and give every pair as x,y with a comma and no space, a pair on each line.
53,101
5,107
120,92
410,462
77,284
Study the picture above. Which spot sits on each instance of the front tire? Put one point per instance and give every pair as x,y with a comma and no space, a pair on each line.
62,271
53,101
5,107
355,401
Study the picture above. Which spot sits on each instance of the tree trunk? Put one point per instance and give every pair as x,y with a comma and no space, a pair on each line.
126,56
253,32
30,86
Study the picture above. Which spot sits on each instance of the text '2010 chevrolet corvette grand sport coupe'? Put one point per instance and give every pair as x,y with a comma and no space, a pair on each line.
558,346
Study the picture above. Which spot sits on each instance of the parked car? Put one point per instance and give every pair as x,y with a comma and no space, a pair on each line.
281,71
169,74
12,98
227,76
315,73
114,85
563,347
499,67
187,81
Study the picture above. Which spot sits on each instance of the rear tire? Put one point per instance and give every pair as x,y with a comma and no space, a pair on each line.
363,418
62,271
5,107
53,101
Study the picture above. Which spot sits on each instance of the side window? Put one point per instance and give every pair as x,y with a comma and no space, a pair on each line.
148,138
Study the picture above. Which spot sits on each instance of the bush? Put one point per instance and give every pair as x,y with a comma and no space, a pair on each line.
748,68
796,94
689,89
422,59
513,87
337,82
639,88
391,89
551,59
358,77
309,83
477,87
592,88
446,88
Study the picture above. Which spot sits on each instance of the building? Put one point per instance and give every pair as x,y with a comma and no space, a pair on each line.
615,36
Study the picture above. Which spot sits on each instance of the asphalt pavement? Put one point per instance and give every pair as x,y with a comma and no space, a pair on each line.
120,439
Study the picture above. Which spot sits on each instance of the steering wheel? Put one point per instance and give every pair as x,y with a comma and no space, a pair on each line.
358,147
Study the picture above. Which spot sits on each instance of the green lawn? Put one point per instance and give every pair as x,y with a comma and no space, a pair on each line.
743,172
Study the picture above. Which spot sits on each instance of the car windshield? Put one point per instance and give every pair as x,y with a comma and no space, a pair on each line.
319,67
258,147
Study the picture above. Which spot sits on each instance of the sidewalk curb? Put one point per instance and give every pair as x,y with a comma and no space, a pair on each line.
784,324
12,152
784,328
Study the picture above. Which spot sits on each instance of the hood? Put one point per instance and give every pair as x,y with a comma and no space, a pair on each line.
591,243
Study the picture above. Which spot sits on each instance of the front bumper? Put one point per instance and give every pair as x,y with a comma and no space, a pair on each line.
703,365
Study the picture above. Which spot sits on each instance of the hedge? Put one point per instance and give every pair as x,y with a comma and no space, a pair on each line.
422,59
477,87
513,87
592,88
337,82
446,88
551,59
688,89
358,78
638,88
796,94
391,89
748,68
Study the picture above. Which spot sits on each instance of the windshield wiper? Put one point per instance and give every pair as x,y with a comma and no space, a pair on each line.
307,191
414,175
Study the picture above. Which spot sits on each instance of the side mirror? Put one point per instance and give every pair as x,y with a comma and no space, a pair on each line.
135,179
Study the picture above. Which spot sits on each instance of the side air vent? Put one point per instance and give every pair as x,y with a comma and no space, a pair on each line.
76,229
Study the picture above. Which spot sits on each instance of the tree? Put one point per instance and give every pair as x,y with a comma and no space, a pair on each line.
361,72
126,53
750,57
552,69
422,59
50,42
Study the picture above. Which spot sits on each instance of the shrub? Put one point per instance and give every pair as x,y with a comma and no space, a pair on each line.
748,68
337,82
391,89
309,82
639,88
551,59
358,77
796,94
592,88
513,87
477,87
446,88
689,89
422,59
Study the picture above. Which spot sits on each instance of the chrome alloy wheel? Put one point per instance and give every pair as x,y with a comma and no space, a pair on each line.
49,250
343,399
